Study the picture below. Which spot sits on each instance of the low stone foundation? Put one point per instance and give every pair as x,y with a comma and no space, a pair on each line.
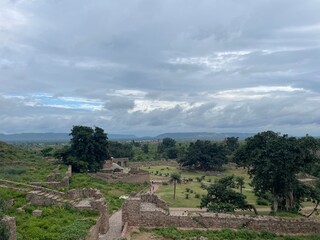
134,176
53,180
147,212
81,199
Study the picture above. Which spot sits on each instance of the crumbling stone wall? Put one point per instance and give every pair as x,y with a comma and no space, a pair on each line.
136,177
54,181
172,163
11,223
154,199
134,215
92,197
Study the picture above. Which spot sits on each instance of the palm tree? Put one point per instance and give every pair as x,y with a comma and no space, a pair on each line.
175,178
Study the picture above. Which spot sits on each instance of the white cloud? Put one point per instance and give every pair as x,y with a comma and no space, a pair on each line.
128,92
10,18
220,61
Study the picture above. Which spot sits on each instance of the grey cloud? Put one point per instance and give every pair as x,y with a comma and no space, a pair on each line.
90,49
119,104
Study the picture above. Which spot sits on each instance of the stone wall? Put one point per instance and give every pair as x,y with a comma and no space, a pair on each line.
11,223
172,163
154,199
98,228
141,177
134,215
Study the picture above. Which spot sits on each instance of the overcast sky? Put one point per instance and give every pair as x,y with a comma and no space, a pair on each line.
152,66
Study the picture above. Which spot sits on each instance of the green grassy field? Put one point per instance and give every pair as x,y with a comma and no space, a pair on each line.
165,192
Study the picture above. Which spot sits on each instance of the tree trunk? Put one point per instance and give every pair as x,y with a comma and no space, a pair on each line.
275,202
290,204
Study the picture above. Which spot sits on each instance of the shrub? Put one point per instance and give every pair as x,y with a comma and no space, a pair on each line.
187,196
197,195
187,189
203,186
262,201
165,183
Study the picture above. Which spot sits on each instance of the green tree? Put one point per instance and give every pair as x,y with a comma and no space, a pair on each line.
273,162
88,149
222,198
145,148
232,144
175,178
47,151
120,150
204,155
168,148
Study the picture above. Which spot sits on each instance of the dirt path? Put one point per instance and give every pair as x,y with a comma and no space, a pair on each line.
115,222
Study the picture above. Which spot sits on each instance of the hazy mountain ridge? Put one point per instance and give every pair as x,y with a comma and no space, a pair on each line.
203,135
64,137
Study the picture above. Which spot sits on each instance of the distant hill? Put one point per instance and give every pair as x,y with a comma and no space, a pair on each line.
203,135
64,137
35,137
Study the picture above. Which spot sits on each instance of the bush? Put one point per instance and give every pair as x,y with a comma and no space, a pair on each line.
197,195
187,189
203,186
262,201
4,230
199,179
187,196
165,183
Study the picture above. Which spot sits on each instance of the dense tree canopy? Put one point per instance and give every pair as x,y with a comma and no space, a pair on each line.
88,150
168,148
222,198
273,160
204,155
232,144
120,150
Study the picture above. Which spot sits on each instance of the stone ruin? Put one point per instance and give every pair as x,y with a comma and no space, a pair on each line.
55,180
150,211
81,199
116,170
11,223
